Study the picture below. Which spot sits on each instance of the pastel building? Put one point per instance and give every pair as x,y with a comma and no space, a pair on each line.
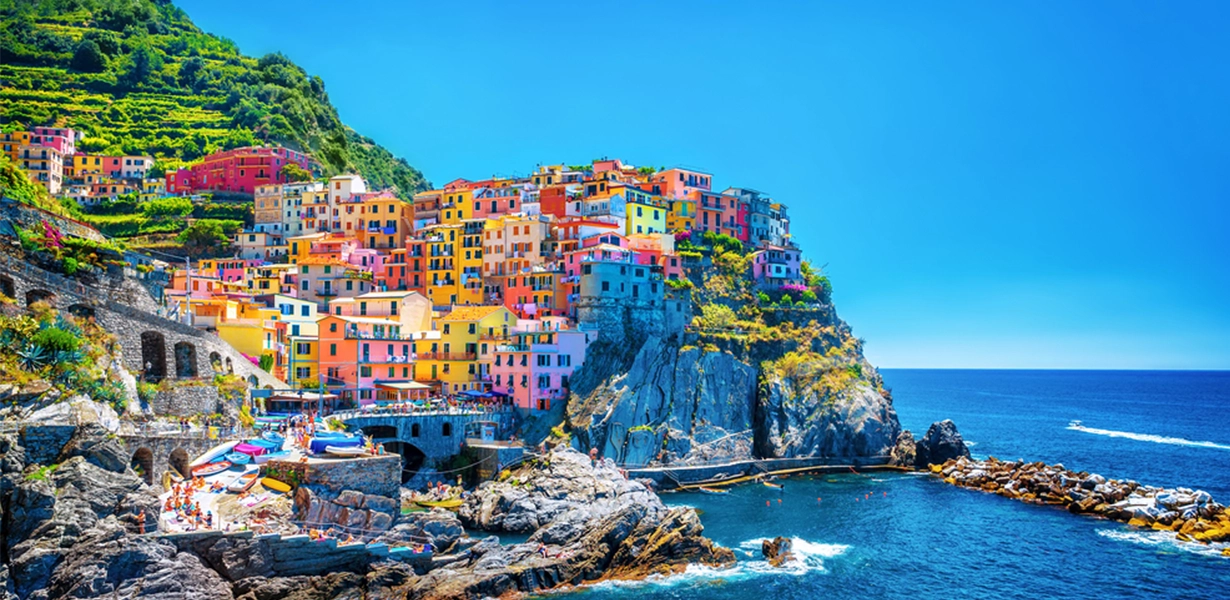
534,366
775,266
239,170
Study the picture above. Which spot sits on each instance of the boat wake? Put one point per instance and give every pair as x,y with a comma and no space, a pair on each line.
808,558
1146,437
1162,540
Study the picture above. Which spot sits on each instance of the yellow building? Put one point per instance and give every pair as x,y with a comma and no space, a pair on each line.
303,361
469,262
153,188
387,222
681,215
441,258
645,217
13,142
459,358
458,206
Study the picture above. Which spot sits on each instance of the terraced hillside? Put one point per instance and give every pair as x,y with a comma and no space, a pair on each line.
138,77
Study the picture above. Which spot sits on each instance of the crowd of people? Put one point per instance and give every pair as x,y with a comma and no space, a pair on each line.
186,508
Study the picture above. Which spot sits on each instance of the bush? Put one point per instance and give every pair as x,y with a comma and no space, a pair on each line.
57,340
69,265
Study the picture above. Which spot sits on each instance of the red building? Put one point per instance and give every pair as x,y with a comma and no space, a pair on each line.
238,170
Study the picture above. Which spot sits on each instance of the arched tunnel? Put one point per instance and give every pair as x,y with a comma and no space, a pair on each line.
412,458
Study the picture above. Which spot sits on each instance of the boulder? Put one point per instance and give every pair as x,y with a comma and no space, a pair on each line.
942,442
777,551
904,452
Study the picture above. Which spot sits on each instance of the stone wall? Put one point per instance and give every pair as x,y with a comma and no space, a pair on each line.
43,442
276,555
425,431
161,448
28,217
186,401
372,475
623,319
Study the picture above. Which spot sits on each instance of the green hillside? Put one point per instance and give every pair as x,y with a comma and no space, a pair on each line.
138,77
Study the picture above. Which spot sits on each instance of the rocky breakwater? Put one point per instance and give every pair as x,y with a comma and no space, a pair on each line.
1191,514
588,523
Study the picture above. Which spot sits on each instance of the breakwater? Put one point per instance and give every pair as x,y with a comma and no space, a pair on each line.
1192,515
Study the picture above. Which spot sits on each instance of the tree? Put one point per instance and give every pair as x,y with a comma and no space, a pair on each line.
205,235
144,63
88,57
293,173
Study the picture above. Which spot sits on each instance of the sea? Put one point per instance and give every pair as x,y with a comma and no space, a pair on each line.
879,535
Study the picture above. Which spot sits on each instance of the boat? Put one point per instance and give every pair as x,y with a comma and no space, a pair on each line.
210,469
1074,424
346,451
264,458
238,458
266,444
712,490
273,437
243,482
249,449
213,454
275,485
776,486
319,445
450,504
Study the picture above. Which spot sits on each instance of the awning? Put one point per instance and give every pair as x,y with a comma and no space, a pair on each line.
301,396
474,394
403,386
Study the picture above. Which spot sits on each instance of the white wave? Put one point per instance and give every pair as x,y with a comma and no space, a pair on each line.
1146,437
969,443
1162,540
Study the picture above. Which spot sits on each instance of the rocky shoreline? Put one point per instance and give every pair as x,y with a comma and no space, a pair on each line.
1192,515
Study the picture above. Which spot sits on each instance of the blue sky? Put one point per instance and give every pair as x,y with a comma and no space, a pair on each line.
1031,185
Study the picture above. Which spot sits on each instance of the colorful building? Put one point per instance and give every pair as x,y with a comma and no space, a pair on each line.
239,170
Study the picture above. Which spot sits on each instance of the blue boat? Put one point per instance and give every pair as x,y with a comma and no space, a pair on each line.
265,444
264,458
238,458
273,437
318,444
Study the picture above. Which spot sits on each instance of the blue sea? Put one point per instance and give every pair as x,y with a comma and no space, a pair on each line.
906,535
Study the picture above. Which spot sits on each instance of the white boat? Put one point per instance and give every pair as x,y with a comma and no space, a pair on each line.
345,451
264,458
213,454
1074,424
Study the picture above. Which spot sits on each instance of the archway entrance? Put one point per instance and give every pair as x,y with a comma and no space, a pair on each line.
185,360
33,296
179,461
81,311
143,463
412,458
153,356
7,287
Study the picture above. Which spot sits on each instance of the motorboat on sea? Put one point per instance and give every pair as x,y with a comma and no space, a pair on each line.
712,490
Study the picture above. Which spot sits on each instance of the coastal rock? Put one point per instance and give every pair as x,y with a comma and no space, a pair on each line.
942,442
777,551
685,403
813,421
439,526
905,451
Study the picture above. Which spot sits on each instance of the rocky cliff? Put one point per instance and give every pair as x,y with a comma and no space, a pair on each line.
797,388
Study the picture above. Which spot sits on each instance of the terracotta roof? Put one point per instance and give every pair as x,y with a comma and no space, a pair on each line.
470,313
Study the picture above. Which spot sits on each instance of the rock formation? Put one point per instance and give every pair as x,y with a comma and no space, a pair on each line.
942,442
589,523
1191,514
777,551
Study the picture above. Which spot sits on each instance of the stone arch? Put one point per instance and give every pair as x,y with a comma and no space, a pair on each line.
215,362
415,430
8,287
153,356
143,463
179,461
230,369
81,311
185,360
412,458
252,380
33,296
446,429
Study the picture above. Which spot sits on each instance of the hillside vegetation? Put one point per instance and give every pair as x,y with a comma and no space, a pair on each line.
138,77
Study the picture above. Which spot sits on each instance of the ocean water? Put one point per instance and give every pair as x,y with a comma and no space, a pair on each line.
906,535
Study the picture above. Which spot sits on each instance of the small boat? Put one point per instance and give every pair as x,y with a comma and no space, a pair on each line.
776,486
711,490
266,444
238,458
346,451
319,445
271,436
275,485
243,482
450,504
213,454
1074,424
210,469
264,458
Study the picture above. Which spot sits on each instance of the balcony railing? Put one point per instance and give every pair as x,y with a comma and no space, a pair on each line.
444,356
326,292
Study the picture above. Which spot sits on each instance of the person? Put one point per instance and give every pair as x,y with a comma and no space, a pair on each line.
542,550
141,521
209,519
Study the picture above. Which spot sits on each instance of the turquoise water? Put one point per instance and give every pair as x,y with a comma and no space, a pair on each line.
906,535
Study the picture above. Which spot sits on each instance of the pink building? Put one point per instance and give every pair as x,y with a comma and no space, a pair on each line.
609,252
534,366
775,266
496,201
680,183
239,170
60,138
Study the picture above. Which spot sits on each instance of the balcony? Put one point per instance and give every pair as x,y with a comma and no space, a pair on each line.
326,292
444,356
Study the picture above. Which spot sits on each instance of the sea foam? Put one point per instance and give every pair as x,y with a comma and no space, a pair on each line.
1146,437
1163,540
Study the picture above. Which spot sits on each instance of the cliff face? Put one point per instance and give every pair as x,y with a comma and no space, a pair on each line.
667,402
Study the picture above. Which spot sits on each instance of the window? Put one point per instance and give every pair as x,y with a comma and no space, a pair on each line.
365,371
332,349
414,430
544,381
606,286
447,429
333,326
304,310
564,360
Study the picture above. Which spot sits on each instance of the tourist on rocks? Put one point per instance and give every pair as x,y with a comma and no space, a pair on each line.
141,521
542,550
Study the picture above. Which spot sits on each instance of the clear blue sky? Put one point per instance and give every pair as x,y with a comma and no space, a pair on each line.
1032,185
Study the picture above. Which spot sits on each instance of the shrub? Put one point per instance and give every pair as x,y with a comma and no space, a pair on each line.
69,265
57,340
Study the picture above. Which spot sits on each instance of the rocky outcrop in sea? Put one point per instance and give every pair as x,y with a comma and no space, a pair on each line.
1192,515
